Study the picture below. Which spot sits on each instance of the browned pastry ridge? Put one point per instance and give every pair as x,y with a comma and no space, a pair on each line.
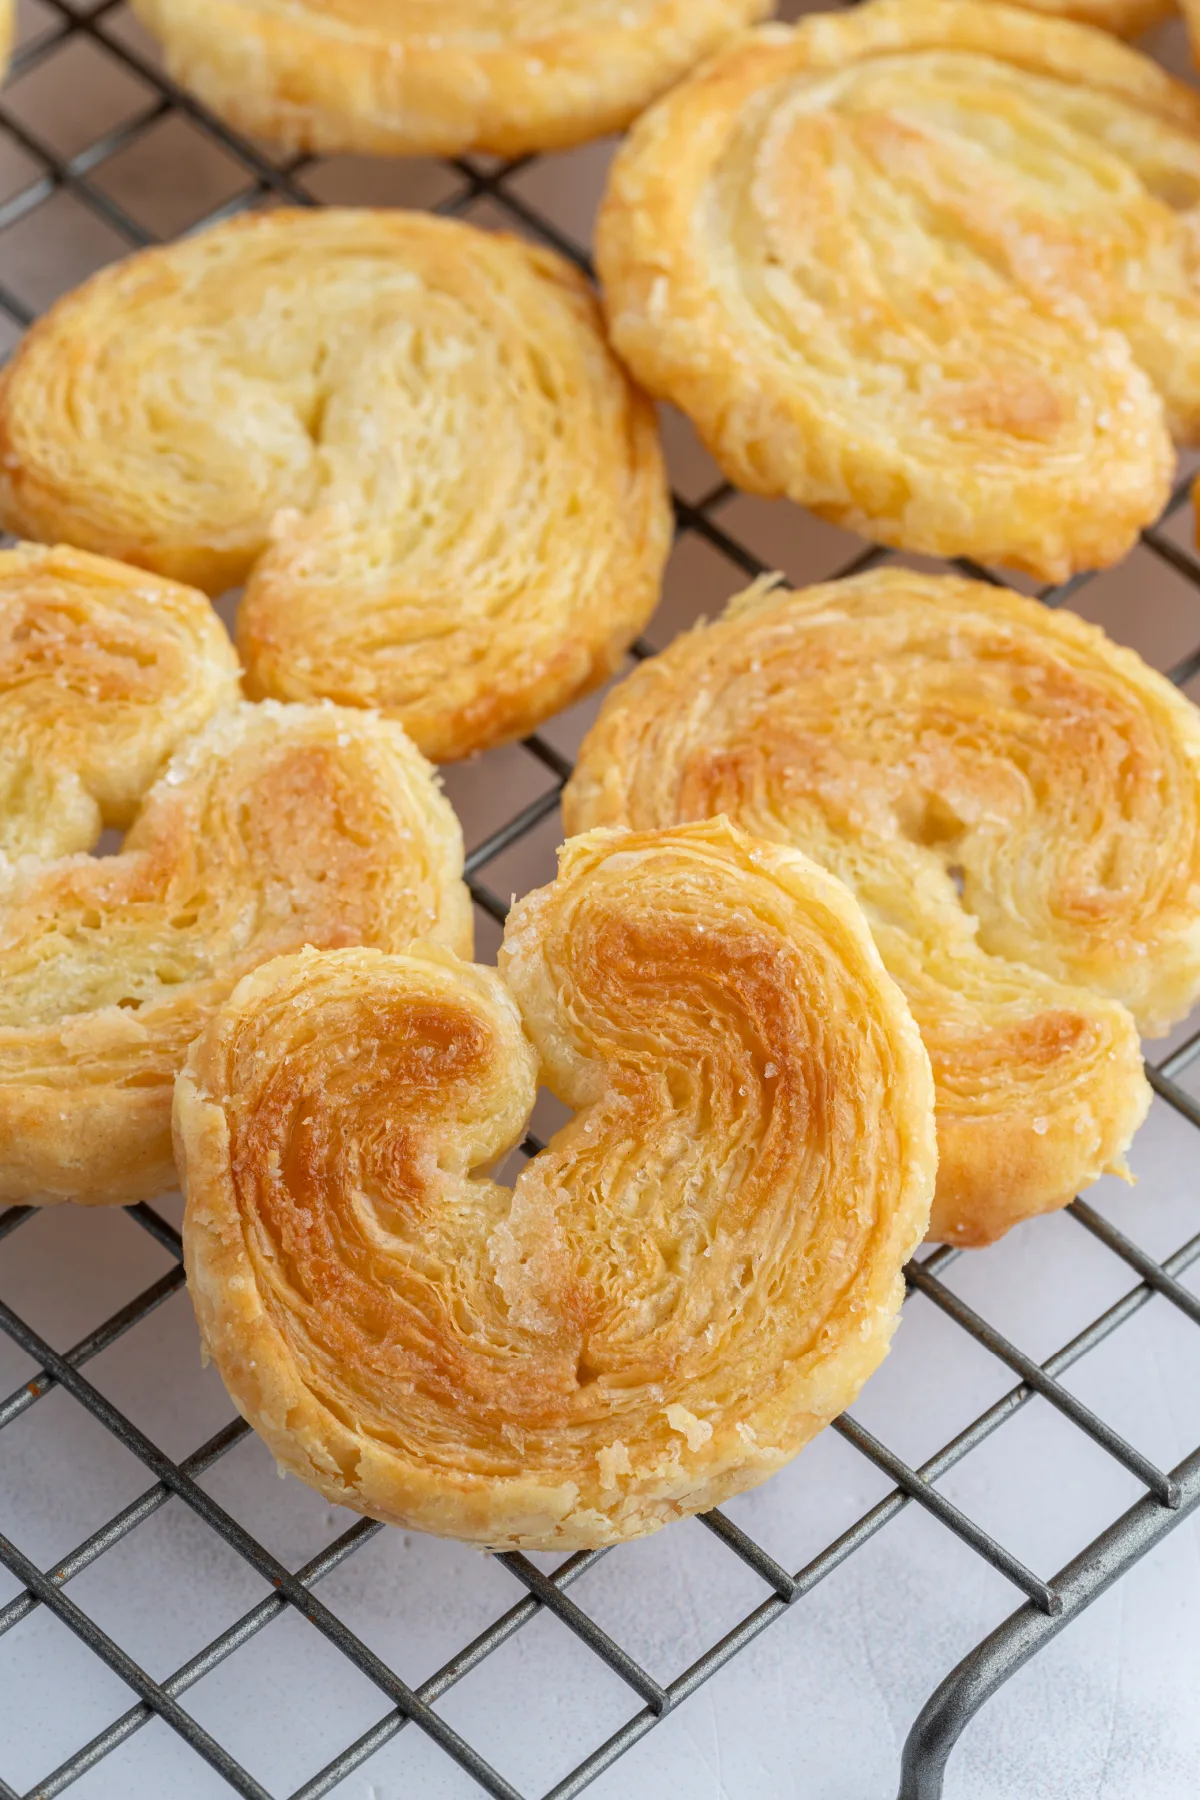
250,831
1126,18
694,1276
436,77
406,435
1015,803
927,267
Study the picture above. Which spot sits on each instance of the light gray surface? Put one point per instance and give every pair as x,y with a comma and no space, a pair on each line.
819,1706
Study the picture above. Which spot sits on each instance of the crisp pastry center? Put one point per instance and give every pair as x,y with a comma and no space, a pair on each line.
976,794
79,687
902,226
280,845
440,443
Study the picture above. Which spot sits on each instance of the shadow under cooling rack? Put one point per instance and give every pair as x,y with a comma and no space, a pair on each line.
61,199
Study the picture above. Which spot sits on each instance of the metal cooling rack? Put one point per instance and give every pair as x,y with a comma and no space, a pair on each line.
1048,1604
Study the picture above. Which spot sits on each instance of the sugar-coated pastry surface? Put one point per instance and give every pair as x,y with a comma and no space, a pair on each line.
405,434
252,830
695,1275
928,267
437,77
1013,799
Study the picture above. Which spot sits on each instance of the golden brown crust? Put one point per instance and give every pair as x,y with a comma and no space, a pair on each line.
1125,18
437,77
693,1278
922,265
407,434
1014,801
104,671
252,831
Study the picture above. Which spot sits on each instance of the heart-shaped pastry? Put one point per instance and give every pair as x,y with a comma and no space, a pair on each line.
695,1275
252,830
1013,799
407,436
928,267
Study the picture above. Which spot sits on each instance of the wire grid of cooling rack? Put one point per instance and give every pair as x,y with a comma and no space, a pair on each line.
1169,1494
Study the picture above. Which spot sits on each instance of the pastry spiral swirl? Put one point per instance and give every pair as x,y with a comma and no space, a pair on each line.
268,828
407,434
103,672
436,77
693,1277
928,267
1015,803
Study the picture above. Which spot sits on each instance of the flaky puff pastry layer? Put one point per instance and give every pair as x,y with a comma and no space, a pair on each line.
269,827
406,435
1015,803
694,1277
436,77
104,671
927,266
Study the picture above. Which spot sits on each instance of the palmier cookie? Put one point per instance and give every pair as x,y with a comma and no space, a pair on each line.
252,830
694,1277
1014,801
437,77
7,22
925,266
406,435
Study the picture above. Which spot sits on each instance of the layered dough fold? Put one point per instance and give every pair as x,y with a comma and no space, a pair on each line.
436,77
1015,803
251,830
695,1275
928,267
406,435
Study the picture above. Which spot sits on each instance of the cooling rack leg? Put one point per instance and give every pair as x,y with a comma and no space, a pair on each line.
952,1706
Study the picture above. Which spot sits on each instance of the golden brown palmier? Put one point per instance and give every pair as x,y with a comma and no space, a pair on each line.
269,827
928,267
436,77
406,434
694,1277
1014,801
7,23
